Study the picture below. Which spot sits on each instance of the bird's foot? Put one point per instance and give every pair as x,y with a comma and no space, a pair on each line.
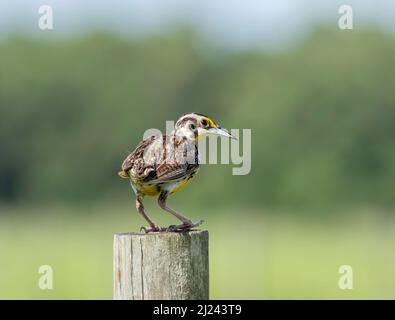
187,226
152,229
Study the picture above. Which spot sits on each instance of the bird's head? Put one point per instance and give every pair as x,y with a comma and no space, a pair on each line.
196,125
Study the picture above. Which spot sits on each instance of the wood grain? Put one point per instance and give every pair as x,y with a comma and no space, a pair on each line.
165,265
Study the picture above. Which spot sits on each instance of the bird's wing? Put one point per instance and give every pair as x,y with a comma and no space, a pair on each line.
175,164
135,160
171,172
152,161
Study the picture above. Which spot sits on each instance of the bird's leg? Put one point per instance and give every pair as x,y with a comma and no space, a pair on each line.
140,208
187,224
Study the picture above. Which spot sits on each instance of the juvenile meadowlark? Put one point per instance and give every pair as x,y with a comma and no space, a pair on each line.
164,164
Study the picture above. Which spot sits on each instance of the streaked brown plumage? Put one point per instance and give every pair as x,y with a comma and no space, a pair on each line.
163,165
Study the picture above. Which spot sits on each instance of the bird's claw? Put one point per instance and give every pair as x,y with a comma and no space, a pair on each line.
152,229
183,227
173,228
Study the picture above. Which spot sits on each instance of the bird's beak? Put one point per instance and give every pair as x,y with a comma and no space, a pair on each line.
221,132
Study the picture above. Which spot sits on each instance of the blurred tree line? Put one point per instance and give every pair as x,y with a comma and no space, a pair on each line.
322,116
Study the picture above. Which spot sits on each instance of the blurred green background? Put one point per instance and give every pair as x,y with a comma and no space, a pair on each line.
320,193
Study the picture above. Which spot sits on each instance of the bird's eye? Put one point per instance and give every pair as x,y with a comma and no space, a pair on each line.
192,126
204,122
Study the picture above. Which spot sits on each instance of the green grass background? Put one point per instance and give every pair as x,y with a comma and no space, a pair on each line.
254,254
320,193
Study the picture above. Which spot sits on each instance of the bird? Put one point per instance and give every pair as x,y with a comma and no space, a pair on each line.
162,165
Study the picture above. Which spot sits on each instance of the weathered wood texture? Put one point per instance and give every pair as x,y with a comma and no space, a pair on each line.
161,266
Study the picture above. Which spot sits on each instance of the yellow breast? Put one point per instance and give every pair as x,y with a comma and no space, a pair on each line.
154,189
181,185
146,189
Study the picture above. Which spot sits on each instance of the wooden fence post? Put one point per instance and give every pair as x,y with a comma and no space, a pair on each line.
166,265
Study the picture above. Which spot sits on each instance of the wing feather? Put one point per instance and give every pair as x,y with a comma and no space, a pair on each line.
169,173
159,167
